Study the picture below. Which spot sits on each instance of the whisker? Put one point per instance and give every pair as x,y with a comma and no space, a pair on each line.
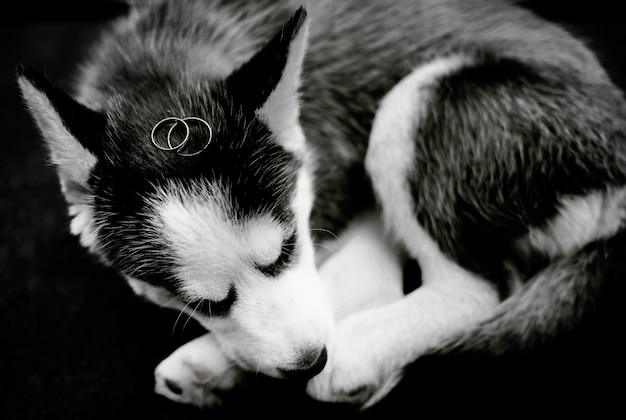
326,247
324,231
192,312
258,368
178,317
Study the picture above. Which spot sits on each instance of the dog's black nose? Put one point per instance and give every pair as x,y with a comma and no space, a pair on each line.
311,362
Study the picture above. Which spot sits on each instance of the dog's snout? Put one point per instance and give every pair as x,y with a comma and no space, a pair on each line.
310,363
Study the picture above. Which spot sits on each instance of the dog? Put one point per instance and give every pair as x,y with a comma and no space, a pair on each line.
269,168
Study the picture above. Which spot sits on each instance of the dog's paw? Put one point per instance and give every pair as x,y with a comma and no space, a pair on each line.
358,371
198,374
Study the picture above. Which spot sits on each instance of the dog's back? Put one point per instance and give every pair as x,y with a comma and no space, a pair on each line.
360,50
357,52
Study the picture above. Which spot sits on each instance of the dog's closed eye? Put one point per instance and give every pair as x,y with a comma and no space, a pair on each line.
214,308
288,250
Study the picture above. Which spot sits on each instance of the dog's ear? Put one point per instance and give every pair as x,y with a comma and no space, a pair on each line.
68,128
269,82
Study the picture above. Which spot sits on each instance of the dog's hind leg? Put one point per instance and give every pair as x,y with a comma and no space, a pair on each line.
372,346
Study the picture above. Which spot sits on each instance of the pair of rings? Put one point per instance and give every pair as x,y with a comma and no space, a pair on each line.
181,147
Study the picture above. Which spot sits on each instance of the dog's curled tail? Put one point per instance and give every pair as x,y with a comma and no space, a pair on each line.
558,336
556,302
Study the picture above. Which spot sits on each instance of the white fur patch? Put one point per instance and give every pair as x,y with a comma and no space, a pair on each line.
265,240
390,158
579,221
83,226
212,249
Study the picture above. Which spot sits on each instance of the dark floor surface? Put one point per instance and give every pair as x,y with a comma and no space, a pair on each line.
75,343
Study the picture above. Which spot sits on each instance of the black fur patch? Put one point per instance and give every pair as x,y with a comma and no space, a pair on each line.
493,159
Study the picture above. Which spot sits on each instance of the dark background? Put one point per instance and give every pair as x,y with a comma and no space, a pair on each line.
75,343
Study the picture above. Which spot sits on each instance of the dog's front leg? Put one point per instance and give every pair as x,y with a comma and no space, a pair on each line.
371,347
364,272
196,373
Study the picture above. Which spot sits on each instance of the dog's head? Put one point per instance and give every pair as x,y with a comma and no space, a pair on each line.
217,228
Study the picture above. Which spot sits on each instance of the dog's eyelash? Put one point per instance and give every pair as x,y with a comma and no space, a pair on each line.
287,253
215,307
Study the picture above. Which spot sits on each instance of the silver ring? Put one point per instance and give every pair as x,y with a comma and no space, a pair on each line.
179,147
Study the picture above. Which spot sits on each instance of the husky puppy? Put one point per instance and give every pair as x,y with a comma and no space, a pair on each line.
211,144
